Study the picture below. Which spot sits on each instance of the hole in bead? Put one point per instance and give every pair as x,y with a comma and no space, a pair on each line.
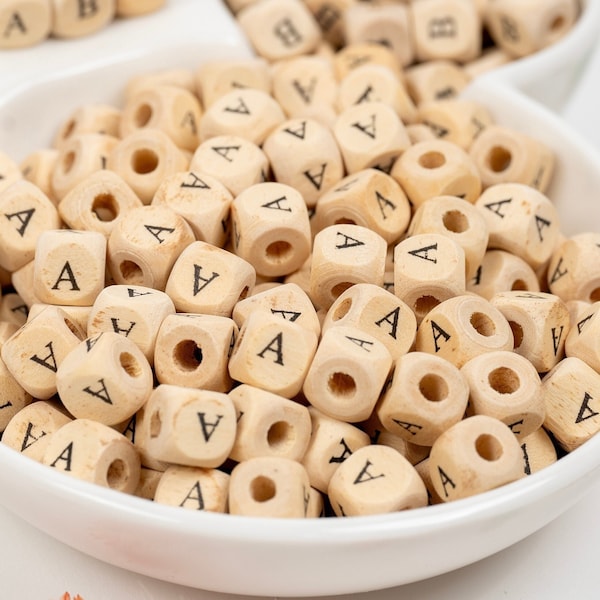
144,161
72,327
244,293
341,384
455,221
131,272
338,289
595,295
482,324
117,474
517,332
344,221
432,160
69,129
262,489
278,252
68,161
424,304
488,447
188,355
499,159
142,116
557,24
130,364
342,309
280,435
433,387
155,424
519,286
105,207
504,380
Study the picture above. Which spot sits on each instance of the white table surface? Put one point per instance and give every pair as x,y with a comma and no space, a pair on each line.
558,562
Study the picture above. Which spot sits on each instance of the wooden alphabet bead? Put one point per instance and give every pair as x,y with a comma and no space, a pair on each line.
24,23
135,8
583,339
475,455
190,427
272,353
506,386
69,267
76,314
78,18
435,80
94,452
521,220
89,118
352,56
463,327
147,484
343,255
13,310
22,282
207,279
143,248
179,77
571,391
34,353
369,198
422,468
540,323
426,396
347,374
193,350
379,313
268,425
38,166
268,486
538,451
436,168
329,14
194,488
375,480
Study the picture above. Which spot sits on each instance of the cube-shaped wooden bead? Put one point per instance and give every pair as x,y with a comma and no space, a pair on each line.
463,327
475,455
193,488
135,8
37,167
13,309
422,469
426,396
24,24
193,350
147,484
375,480
583,338
78,18
538,451
89,118
435,80
506,386
22,282
353,56
268,425
79,315
436,168
540,324
329,14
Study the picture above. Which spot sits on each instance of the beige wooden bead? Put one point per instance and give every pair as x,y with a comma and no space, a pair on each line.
377,312
355,55
135,8
272,353
147,484
540,323
143,248
369,198
571,391
133,311
437,168
248,113
28,212
538,451
268,425
34,353
463,327
268,486
490,59
316,504
343,255
9,171
375,480
419,132
280,29
77,18
435,80
235,161
236,5
94,452
502,271
329,14
24,23
13,310
194,488
506,386
38,166
582,339
137,430
180,77
427,395
193,350
477,454
76,314
22,282
505,155
577,309
428,269
89,118
347,374
422,469
190,427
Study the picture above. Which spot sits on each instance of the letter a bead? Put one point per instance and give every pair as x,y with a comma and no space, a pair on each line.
23,23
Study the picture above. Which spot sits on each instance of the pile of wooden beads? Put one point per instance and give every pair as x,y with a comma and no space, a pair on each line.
216,303
25,23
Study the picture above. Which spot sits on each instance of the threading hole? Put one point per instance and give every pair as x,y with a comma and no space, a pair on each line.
433,387
280,435
338,289
517,332
131,272
504,380
262,489
455,221
482,324
432,160
519,286
117,473
342,309
72,327
68,161
144,161
557,23
344,221
69,129
595,295
341,384
278,251
488,447
155,424
424,304
499,159
105,207
130,364
188,355
142,116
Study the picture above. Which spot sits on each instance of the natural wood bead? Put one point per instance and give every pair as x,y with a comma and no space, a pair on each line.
183,78
582,340
459,220
301,278
435,80
190,427
422,468
143,248
144,158
577,309
194,488
9,171
193,350
347,374
34,353
369,198
272,353
522,28
500,271
76,314
428,269
135,8
329,14
28,212
352,56
375,480
279,29
504,155
571,391
538,451
133,311
248,113
490,59
268,486
24,23
147,484
463,327
343,255
89,118
94,452
13,309
436,168
379,435
446,30
316,504
506,386
78,18
419,132
377,312
38,166
268,425
426,396
22,282
138,431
